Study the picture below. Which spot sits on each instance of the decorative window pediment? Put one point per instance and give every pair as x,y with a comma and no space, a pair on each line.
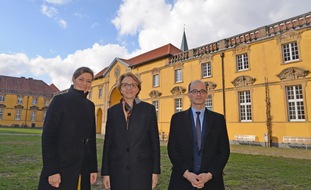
34,107
19,107
292,73
178,90
210,86
205,58
155,94
241,48
289,36
178,66
155,71
45,108
243,81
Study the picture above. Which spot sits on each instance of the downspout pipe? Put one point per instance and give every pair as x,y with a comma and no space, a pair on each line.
222,55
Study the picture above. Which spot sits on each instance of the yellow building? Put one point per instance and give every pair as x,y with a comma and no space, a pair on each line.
258,79
24,101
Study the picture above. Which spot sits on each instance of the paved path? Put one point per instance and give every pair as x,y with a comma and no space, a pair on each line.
299,153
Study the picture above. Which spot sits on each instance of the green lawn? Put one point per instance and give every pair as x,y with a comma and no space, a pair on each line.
20,166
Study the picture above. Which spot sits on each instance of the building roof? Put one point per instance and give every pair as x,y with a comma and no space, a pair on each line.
100,73
26,86
184,43
161,52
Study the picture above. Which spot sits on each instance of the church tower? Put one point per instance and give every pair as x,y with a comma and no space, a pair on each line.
184,44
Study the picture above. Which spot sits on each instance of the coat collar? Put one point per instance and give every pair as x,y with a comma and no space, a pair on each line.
207,122
76,92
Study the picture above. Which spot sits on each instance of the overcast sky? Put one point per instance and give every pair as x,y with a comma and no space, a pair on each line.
48,39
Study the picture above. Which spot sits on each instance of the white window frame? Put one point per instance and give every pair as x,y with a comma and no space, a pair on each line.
155,103
295,103
245,106
209,102
242,62
43,114
34,101
20,100
178,105
100,92
2,98
46,102
290,52
33,115
18,114
206,69
1,113
90,95
155,80
178,75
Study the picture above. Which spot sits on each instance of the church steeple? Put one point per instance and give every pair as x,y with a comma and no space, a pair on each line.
184,44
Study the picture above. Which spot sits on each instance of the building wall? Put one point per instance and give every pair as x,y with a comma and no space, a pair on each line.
264,81
11,107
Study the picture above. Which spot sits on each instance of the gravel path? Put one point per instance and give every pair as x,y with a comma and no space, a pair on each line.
299,153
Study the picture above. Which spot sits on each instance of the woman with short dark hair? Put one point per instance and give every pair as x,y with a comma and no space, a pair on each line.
131,155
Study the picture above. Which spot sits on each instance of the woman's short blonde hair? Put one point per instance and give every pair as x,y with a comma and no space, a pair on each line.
133,76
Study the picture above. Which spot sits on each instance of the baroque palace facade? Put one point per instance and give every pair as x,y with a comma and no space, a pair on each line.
260,80
24,101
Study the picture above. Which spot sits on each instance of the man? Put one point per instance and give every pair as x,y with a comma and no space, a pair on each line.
198,145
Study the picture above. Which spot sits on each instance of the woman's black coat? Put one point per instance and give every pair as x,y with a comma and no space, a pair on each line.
132,155
69,141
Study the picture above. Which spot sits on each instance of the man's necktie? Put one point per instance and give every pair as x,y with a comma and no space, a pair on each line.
198,128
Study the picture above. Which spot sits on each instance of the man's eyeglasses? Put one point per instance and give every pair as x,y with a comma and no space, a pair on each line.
195,91
127,85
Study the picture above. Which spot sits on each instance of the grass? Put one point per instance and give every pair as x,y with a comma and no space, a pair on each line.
20,166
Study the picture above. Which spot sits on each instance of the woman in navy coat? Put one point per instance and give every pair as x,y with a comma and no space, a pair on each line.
131,155
69,138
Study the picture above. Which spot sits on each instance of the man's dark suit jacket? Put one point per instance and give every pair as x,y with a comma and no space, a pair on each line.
215,149
132,155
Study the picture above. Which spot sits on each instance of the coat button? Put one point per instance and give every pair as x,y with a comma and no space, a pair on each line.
127,167
128,149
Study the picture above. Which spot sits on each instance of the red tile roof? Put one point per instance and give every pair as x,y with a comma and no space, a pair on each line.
54,87
100,73
161,52
26,86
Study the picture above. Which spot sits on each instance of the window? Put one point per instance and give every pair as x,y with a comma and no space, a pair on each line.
20,100
206,70
290,52
295,104
43,115
33,115
178,75
178,105
100,93
90,95
242,62
1,113
34,101
2,98
245,106
155,81
156,105
18,114
209,103
46,102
